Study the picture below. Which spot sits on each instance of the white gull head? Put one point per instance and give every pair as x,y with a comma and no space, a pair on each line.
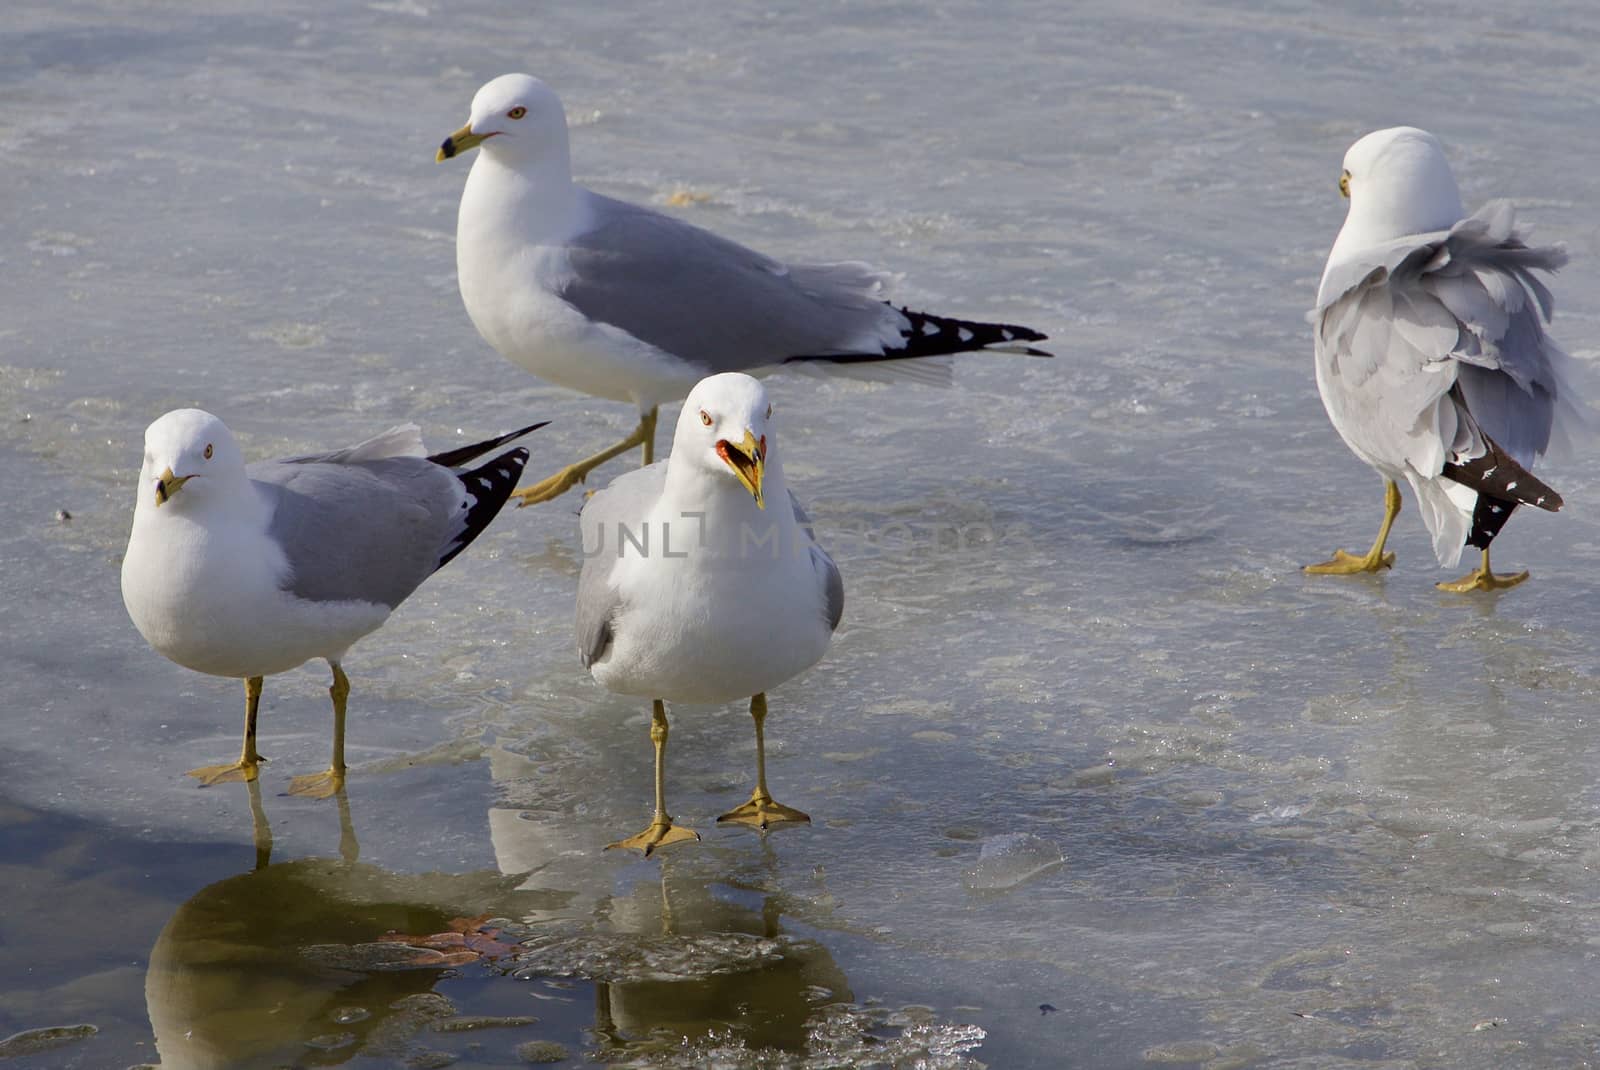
518,121
725,434
1399,183
191,451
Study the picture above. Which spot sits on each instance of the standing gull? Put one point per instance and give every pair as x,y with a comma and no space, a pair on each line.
1431,354
248,571
693,591
622,302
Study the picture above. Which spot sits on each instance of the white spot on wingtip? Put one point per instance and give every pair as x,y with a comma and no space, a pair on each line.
964,334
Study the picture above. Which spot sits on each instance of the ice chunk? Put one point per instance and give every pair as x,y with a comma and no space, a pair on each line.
381,956
34,1041
1006,861
542,1051
473,1023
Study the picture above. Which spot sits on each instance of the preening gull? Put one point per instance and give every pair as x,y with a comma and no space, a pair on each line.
247,571
1431,353
692,590
626,303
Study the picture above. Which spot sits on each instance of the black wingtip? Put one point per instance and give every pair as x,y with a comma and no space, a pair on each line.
1496,474
487,488
1502,485
927,335
462,454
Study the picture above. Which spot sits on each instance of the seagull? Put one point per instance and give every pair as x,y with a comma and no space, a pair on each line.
692,590
247,571
1431,353
622,302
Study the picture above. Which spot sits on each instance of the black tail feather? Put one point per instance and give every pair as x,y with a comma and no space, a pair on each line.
1488,517
1502,485
462,454
1496,474
932,336
485,490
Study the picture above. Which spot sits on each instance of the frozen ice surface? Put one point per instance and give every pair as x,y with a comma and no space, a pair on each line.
1307,820
840,1036
1007,860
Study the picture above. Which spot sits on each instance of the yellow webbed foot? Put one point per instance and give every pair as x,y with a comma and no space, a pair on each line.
643,436
762,811
548,489
660,833
1480,579
1344,564
323,785
241,770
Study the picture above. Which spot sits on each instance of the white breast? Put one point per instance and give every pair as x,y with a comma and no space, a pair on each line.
208,597
717,625
511,263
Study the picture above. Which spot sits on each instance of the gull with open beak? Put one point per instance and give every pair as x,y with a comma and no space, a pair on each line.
619,301
249,570
693,590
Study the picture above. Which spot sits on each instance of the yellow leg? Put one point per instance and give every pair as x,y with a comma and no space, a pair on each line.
761,811
643,436
1343,564
249,760
328,784
1482,578
661,831
647,425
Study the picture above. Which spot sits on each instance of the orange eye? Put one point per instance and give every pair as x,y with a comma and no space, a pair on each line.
518,112
208,451
705,417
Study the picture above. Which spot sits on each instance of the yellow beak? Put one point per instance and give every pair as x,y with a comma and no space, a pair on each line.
167,485
1344,185
748,463
457,143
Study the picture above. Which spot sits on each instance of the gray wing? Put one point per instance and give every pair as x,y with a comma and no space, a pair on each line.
1399,328
624,503
717,304
370,531
402,440
827,572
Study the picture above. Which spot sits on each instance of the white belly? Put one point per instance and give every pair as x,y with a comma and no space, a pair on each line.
224,614
538,331
704,636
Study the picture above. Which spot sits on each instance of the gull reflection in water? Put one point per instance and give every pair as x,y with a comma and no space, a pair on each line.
693,955
289,965
712,969
324,961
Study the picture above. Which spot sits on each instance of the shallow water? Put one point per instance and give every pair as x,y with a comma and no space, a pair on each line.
1299,821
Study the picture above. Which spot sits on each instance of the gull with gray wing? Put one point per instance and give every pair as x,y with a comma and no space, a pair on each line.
622,302
1431,353
692,590
249,570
